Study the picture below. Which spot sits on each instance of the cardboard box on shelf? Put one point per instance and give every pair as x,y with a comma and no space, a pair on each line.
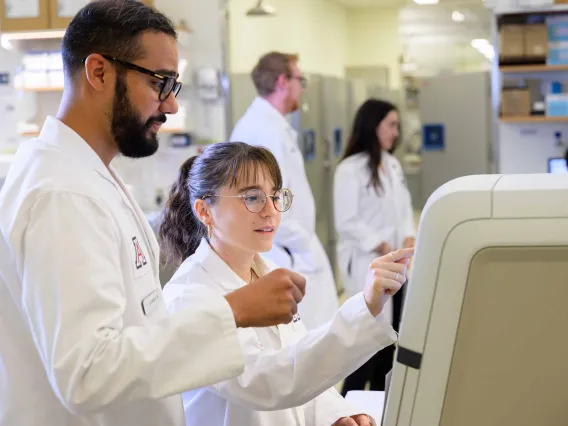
515,102
60,17
19,16
536,41
511,38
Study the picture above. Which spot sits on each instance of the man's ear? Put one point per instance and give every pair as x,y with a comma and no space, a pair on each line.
281,82
99,71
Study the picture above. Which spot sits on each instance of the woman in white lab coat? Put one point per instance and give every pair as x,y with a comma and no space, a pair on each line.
373,215
225,209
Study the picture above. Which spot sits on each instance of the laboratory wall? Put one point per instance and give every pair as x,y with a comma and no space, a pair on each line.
374,40
204,48
314,29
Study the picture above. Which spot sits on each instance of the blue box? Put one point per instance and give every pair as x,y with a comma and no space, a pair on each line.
557,27
557,105
557,53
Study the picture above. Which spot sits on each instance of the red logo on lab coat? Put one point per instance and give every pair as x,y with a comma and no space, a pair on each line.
140,259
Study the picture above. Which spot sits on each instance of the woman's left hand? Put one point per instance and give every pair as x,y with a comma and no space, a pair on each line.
359,420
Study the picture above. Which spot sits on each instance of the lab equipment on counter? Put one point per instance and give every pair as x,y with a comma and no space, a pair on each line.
483,340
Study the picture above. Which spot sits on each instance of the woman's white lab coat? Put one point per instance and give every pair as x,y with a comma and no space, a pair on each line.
289,373
296,245
85,337
365,218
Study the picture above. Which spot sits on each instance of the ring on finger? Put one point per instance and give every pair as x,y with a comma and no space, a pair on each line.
392,257
396,276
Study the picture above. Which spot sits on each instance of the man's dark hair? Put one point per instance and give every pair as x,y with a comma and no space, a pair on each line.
110,27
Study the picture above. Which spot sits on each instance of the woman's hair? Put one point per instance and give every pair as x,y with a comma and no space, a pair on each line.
219,165
364,137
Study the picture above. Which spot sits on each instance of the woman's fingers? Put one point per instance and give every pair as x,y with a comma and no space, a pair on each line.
386,267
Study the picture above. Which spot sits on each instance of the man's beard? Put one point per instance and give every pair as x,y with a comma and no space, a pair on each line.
293,105
131,134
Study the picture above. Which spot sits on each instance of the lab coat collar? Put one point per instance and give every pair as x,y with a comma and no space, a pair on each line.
55,133
261,104
61,136
220,271
225,277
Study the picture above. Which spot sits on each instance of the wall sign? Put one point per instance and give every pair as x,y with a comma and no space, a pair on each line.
338,141
433,137
309,144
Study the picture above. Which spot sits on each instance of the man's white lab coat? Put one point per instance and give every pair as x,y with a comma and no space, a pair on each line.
86,337
296,245
365,218
289,373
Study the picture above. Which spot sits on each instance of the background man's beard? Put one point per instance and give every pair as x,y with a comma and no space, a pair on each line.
293,105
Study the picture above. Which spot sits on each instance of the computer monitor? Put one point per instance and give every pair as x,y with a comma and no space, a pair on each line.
557,165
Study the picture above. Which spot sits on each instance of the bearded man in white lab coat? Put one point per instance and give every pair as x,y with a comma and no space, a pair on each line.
280,84
86,339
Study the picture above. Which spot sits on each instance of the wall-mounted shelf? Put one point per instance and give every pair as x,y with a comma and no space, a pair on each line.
533,119
162,131
516,69
41,89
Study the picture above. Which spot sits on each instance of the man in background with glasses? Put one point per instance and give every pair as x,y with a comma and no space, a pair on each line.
85,335
280,85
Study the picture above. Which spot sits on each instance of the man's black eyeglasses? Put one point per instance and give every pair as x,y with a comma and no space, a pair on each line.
168,84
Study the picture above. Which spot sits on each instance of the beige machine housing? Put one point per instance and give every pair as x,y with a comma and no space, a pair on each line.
484,337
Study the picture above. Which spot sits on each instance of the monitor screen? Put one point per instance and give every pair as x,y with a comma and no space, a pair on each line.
557,165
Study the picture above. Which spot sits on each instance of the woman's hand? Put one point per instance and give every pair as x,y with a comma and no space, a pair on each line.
359,420
383,248
409,242
386,276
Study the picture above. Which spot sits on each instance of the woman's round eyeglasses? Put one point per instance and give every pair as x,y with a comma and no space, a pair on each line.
255,199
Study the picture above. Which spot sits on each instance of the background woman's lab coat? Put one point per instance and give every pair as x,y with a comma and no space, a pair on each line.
296,245
289,373
365,218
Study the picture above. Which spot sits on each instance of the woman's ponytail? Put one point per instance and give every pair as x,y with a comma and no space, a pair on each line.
180,231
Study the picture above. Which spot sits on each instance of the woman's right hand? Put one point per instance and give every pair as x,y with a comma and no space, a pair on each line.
386,276
383,249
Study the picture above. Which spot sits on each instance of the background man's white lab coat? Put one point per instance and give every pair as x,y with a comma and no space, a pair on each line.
365,218
296,245
287,370
86,337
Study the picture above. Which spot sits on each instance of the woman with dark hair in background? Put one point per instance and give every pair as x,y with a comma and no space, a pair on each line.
221,213
373,215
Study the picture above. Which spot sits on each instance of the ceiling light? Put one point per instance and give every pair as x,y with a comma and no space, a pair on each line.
425,2
458,16
479,43
261,9
34,35
484,47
